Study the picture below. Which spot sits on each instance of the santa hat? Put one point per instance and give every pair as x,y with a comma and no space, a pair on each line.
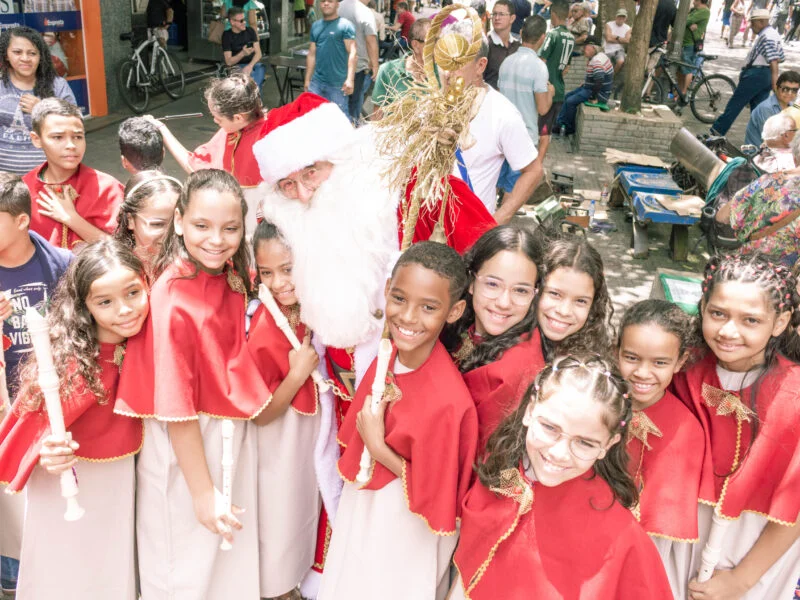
299,134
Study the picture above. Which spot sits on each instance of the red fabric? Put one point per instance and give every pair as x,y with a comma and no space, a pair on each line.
569,545
323,541
467,217
191,356
99,197
768,476
406,20
270,350
433,427
497,388
668,474
283,115
340,365
231,152
102,435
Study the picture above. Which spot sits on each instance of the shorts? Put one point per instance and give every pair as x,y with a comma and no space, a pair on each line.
726,17
300,14
653,59
160,33
548,120
508,178
690,56
616,55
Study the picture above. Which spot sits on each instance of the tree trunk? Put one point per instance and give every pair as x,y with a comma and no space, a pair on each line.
636,61
604,9
679,28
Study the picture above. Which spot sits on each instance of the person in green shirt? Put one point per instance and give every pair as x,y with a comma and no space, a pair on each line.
396,75
696,24
556,52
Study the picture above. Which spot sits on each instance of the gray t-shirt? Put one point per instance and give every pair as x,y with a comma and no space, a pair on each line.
364,21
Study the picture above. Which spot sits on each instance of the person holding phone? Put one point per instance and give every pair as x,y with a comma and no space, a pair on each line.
240,47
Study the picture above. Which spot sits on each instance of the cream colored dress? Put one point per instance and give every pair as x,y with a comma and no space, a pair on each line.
88,559
678,558
380,550
12,514
288,501
179,559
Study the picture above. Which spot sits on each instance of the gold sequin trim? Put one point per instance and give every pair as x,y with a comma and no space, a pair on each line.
641,427
439,532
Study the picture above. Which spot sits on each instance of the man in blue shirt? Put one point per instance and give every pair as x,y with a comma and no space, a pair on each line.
788,86
332,56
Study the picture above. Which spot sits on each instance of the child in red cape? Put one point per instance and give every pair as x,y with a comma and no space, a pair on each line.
100,302
73,203
394,535
549,518
189,371
745,393
496,343
665,440
289,427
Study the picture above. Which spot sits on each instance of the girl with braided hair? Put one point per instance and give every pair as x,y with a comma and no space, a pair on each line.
548,516
745,393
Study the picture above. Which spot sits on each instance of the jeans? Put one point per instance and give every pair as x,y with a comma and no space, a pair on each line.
508,178
355,101
330,92
566,118
258,73
9,570
753,88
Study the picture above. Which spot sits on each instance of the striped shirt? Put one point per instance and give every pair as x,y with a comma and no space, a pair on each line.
766,48
600,76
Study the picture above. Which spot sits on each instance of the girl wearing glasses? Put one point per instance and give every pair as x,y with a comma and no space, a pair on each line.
548,516
496,344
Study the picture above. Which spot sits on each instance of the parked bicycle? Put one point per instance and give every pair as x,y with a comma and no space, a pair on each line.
137,80
707,95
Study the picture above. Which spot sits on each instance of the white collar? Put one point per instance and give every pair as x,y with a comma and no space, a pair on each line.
498,42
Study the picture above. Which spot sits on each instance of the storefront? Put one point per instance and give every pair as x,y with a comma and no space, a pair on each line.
72,29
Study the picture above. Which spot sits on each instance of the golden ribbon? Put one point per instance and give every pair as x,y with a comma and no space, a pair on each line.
466,348
119,355
292,314
641,427
391,393
513,485
725,403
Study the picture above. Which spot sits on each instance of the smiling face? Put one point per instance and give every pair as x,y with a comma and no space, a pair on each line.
564,303
274,261
417,308
63,140
212,228
150,224
22,57
575,419
738,323
649,356
118,303
503,292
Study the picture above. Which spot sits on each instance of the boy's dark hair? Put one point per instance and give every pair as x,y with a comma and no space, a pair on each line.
233,95
666,315
788,77
45,72
15,198
560,8
52,106
442,260
141,143
508,4
533,28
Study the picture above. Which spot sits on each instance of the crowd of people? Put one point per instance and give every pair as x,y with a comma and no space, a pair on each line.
284,376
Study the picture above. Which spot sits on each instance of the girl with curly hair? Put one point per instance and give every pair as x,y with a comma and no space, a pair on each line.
548,516
27,76
496,343
100,302
744,391
573,309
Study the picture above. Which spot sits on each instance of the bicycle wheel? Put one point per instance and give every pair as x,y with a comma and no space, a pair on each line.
657,94
710,96
133,94
170,75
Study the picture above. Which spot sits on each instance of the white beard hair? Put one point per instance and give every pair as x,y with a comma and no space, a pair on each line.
344,243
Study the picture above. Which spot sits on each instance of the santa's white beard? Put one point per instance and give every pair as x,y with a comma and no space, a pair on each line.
344,243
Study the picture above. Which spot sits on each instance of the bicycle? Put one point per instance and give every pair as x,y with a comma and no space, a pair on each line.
135,79
707,95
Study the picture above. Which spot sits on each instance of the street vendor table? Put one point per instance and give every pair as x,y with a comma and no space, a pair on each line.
287,65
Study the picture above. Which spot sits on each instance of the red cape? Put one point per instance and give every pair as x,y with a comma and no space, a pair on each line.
767,478
668,473
497,388
99,197
270,350
231,152
434,428
102,435
565,542
191,356
467,218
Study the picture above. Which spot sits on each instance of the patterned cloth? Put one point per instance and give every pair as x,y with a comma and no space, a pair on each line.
764,202
766,48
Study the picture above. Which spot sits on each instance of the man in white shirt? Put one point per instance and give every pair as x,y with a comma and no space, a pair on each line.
616,37
499,135
366,49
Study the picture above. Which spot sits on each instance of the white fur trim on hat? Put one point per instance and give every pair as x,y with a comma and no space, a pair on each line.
316,135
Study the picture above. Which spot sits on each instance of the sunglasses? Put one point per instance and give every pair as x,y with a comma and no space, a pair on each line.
786,90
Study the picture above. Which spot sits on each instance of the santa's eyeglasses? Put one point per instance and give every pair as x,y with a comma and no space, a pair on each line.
309,178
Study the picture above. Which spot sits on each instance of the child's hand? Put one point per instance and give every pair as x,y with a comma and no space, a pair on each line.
723,585
371,427
58,207
27,102
6,309
210,511
57,456
302,362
